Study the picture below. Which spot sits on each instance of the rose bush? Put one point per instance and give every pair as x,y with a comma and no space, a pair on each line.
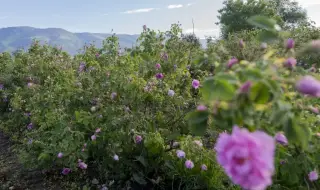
161,115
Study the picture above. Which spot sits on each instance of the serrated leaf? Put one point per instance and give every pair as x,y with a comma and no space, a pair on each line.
259,93
43,156
139,179
142,160
267,36
220,90
262,22
228,77
198,121
251,74
294,133
169,165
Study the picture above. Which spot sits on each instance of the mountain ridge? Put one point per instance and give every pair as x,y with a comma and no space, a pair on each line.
17,37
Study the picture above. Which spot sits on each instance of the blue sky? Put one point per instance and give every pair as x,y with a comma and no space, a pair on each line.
124,16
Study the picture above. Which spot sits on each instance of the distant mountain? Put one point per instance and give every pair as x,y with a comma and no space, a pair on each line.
13,38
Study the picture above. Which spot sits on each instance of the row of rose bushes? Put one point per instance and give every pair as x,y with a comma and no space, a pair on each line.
129,120
105,116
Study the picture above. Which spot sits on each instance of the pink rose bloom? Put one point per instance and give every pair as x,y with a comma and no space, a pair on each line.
116,157
313,176
30,84
201,108
164,56
60,155
159,76
93,137
30,126
281,139
189,164
195,84
314,109
204,167
181,154
171,93
113,95
66,171
247,158
245,88
197,142
290,62
138,139
82,165
158,66
232,62
308,85
290,43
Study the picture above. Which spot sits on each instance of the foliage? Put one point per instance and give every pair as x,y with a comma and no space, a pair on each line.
132,119
235,13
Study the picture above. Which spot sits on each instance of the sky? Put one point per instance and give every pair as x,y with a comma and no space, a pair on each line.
121,16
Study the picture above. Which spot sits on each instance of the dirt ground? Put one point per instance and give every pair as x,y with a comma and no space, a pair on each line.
13,176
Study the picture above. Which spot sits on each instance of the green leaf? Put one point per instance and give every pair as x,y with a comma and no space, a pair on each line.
262,22
259,93
251,74
267,36
274,86
228,77
217,90
173,135
198,121
43,156
278,115
77,115
169,165
142,160
139,179
294,133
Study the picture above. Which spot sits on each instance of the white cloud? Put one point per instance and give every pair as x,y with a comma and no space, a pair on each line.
189,4
139,11
175,6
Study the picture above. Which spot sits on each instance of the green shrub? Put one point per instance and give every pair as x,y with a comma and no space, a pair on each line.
114,120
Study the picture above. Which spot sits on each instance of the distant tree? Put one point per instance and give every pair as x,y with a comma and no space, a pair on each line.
291,13
235,13
192,40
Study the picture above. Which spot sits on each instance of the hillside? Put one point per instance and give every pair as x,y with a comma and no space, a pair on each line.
13,38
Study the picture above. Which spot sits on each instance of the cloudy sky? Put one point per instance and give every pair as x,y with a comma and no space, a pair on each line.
123,16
